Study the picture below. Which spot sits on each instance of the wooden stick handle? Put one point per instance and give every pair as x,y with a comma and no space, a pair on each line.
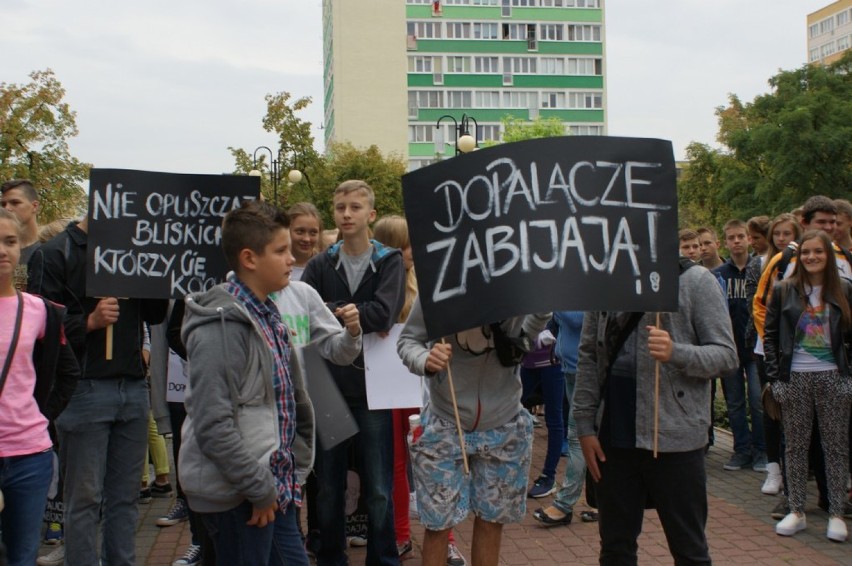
657,399
109,342
458,419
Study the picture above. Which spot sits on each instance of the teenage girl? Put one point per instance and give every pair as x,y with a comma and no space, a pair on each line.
305,230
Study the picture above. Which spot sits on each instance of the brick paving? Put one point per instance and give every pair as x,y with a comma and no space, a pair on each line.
739,528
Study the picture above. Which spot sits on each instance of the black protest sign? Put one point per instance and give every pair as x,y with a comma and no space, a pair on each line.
159,235
566,223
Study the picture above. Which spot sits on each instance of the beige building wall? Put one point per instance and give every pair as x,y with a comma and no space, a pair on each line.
830,32
368,62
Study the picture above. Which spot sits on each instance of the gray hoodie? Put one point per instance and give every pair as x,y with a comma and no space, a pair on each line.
703,349
488,394
231,427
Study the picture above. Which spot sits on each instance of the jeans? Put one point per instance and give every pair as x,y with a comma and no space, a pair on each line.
675,483
575,466
552,382
24,481
375,467
102,440
239,544
734,386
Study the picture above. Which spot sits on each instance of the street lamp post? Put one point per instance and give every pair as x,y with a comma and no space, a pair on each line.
275,165
464,142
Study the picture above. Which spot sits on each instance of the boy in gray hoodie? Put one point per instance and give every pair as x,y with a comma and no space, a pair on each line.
249,425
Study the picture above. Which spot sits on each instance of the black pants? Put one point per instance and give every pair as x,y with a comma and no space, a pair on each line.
674,483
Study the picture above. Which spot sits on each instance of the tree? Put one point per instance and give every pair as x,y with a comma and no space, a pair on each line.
295,149
516,129
345,161
778,150
35,126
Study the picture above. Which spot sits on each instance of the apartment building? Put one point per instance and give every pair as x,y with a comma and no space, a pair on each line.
829,32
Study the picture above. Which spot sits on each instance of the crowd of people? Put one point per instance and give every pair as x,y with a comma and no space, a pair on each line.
628,397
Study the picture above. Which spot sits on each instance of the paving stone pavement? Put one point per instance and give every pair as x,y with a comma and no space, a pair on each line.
739,528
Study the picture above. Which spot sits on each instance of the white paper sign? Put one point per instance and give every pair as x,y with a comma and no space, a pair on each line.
389,383
177,379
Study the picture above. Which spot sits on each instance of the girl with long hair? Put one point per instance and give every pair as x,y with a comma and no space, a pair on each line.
808,329
305,231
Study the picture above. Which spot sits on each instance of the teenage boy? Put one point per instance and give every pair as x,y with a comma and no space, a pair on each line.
246,403
689,246
19,197
843,224
364,272
743,383
709,242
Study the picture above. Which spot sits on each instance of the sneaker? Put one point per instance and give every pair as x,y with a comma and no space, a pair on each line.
791,524
760,462
177,514
53,534
781,510
454,557
772,484
403,548
145,495
836,529
542,487
55,558
357,541
738,461
191,557
161,490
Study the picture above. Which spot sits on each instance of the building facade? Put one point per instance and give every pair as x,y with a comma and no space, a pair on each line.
829,32
486,59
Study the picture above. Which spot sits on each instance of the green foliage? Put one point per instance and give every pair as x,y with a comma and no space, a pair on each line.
345,161
516,129
778,150
35,126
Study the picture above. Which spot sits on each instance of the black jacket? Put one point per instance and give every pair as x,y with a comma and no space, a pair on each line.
56,367
57,271
379,299
782,316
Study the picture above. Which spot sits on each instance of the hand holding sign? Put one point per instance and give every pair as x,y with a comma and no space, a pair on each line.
439,357
350,317
104,315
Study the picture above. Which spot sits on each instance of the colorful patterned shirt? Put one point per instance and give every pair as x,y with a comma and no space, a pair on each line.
268,319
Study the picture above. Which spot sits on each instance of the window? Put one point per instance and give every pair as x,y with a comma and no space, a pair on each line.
418,1
553,100
524,3
459,99
425,30
585,130
421,133
458,30
457,64
488,132
487,99
843,43
419,64
485,2
485,30
520,99
827,49
515,31
842,18
586,3
552,32
425,99
826,26
585,100
813,55
814,30
552,3
486,65
585,66
552,66
456,2
519,65
584,32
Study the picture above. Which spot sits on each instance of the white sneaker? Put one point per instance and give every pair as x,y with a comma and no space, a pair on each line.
792,524
55,558
772,485
836,529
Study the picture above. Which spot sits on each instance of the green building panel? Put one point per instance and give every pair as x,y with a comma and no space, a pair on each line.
556,81
421,149
508,47
481,115
457,80
574,115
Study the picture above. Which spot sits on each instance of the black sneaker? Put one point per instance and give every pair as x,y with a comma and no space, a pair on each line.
145,495
161,490
542,487
781,510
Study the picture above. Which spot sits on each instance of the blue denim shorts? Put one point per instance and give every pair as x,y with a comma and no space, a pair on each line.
496,488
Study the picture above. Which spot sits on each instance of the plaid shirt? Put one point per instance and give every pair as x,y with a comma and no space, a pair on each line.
267,317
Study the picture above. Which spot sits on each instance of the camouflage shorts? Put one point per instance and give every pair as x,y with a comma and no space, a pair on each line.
499,462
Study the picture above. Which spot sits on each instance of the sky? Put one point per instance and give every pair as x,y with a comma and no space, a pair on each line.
169,85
